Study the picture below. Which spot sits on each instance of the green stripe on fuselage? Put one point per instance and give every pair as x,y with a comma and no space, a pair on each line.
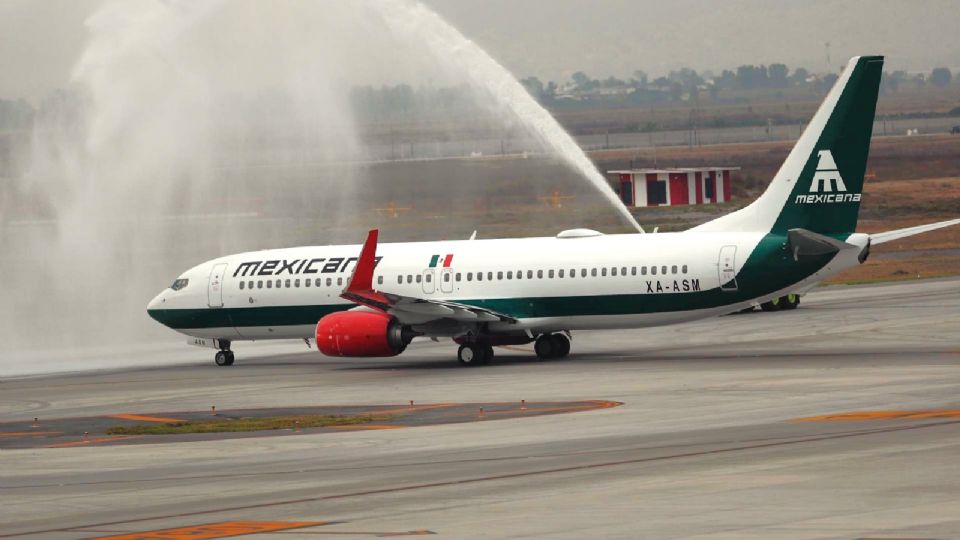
770,267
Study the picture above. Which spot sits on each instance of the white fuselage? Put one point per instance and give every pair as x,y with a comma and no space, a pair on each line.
601,281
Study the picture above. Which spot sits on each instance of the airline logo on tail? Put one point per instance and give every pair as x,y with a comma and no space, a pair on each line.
827,183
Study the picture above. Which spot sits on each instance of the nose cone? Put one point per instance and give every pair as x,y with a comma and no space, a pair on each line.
155,305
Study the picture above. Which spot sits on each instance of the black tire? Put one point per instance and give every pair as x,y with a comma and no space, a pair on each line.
561,345
469,355
772,305
544,347
790,301
223,358
487,355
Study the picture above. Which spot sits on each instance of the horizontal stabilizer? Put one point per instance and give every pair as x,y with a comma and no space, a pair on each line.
808,243
880,238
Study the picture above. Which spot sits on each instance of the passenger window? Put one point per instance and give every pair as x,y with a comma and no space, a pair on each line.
287,284
673,270
499,275
259,283
643,270
409,278
539,274
509,274
583,272
400,280
573,272
419,278
379,280
469,276
489,276
329,282
550,274
613,271
279,283
446,277
560,273
593,272
250,284
623,271
458,276
242,285
603,272
633,271
653,270
296,283
306,283
429,278
269,284
519,274
339,281
316,283
684,269
529,274
663,269
479,276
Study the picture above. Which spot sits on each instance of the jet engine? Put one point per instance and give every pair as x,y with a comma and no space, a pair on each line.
361,334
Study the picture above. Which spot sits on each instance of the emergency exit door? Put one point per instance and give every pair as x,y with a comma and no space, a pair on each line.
215,285
728,268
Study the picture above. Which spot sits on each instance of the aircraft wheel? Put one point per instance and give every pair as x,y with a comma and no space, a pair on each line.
772,305
545,347
487,354
470,355
790,301
561,345
224,358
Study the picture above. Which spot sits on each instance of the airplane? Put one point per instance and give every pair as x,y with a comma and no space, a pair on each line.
373,300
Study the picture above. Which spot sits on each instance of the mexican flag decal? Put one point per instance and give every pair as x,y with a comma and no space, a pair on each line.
436,259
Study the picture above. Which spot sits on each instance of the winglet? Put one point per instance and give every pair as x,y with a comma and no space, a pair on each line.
362,278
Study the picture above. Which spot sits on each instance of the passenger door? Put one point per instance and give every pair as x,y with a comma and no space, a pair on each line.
728,268
215,286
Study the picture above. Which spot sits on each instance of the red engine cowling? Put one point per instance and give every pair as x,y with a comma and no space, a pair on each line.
361,334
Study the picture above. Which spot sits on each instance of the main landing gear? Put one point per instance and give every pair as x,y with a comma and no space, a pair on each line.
475,354
225,356
552,346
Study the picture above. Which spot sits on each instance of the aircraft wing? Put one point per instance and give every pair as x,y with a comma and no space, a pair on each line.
407,309
888,236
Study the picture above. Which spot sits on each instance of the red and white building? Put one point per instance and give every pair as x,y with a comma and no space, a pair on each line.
672,187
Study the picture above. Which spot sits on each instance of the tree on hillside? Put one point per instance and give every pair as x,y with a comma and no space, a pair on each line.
799,76
581,80
941,77
778,75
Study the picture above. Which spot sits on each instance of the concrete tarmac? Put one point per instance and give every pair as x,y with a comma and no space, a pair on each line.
730,428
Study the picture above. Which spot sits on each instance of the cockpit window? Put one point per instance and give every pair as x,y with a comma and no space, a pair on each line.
179,284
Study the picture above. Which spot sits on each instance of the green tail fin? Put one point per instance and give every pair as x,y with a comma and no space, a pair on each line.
818,187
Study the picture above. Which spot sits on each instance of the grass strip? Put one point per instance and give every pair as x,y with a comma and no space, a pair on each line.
245,424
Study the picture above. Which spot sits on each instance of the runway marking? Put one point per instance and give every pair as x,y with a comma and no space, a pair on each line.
882,415
408,408
498,477
372,427
216,530
28,433
85,442
379,534
140,418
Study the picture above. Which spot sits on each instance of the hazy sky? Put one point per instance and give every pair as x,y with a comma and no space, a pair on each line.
41,39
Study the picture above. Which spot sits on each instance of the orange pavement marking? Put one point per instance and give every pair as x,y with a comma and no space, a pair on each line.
139,418
415,408
368,426
27,433
84,442
883,415
216,530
